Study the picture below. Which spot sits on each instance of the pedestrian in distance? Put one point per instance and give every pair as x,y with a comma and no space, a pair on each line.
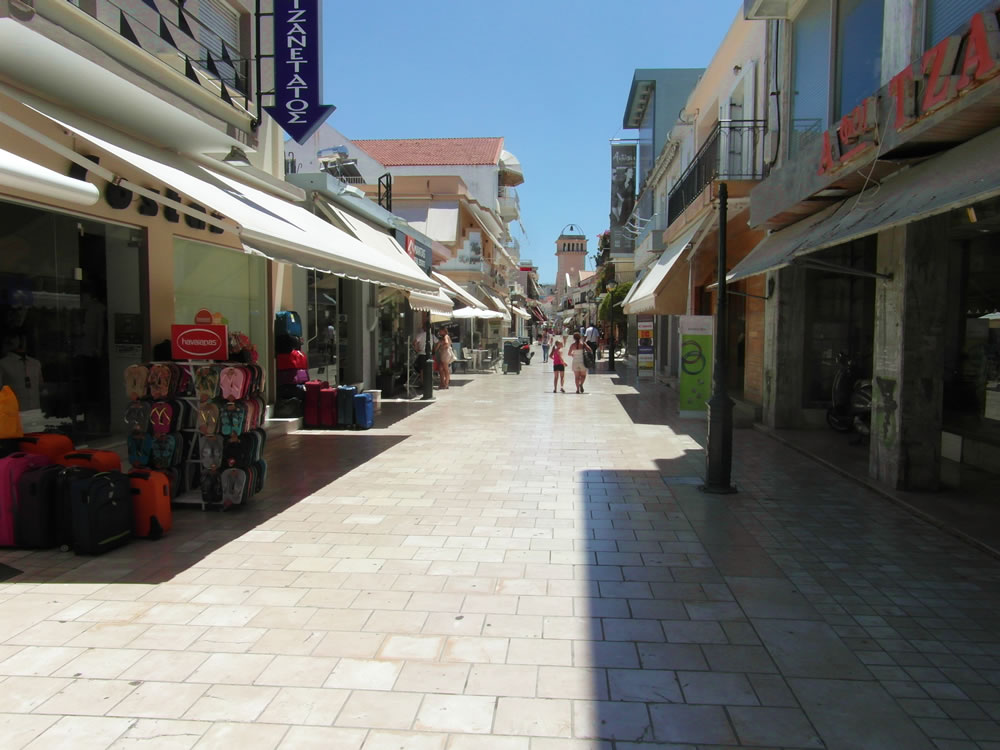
593,337
558,367
444,355
577,350
546,342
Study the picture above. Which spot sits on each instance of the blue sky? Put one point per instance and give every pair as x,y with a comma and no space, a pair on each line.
550,76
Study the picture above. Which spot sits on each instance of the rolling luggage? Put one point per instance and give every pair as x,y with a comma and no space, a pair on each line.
328,408
345,406
12,468
98,460
35,517
101,508
364,411
51,444
311,411
67,477
152,516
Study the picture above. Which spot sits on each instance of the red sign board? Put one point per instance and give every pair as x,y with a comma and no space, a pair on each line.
203,316
199,341
935,80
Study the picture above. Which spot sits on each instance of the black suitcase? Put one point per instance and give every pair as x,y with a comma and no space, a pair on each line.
345,406
35,516
65,479
102,513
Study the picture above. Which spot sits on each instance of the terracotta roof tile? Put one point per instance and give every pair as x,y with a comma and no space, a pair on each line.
409,152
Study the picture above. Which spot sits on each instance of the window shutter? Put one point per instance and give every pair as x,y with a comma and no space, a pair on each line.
944,17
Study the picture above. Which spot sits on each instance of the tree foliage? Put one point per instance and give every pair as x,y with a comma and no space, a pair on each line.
610,310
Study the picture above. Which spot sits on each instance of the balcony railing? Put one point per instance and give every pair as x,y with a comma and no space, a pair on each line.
510,204
733,151
178,37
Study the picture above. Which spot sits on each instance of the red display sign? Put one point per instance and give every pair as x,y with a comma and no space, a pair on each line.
199,341
203,316
931,82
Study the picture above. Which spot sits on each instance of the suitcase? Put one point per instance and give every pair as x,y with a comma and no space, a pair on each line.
12,468
364,411
101,508
311,410
328,408
35,517
99,460
152,516
51,444
10,445
62,502
345,406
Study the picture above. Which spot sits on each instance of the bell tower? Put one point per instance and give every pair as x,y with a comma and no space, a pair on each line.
571,252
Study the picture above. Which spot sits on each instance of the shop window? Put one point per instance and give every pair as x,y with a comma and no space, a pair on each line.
859,52
810,73
839,317
325,323
224,281
72,319
944,17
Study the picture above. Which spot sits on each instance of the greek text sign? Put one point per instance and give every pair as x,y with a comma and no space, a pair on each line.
298,68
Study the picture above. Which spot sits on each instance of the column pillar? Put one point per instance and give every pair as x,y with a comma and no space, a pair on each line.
908,361
784,326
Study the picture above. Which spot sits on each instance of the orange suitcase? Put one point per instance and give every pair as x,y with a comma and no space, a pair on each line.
98,460
150,503
51,444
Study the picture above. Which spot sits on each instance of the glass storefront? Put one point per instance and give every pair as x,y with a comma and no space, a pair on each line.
224,281
393,340
72,318
839,317
326,325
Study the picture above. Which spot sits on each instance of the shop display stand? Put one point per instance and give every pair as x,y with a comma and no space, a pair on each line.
191,467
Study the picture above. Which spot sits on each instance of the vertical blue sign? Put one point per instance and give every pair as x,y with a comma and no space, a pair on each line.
298,68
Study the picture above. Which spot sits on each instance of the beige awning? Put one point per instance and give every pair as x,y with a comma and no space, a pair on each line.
520,312
963,175
664,288
438,304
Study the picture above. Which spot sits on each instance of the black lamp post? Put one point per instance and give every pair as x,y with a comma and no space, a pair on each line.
719,448
611,285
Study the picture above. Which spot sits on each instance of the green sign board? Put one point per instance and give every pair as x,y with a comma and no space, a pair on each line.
695,381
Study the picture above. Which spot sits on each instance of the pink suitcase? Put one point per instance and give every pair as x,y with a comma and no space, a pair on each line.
11,469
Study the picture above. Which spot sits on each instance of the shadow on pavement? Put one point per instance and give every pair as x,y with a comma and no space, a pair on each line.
299,465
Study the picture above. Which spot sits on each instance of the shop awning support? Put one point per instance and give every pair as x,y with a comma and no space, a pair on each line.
822,265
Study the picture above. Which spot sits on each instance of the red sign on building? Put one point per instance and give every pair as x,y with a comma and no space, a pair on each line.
197,341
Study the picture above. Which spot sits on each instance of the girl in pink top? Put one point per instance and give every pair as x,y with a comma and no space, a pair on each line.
558,366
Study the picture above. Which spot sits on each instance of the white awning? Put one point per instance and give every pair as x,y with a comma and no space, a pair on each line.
279,229
459,292
520,311
377,239
660,291
439,303
498,304
511,172
470,313
22,174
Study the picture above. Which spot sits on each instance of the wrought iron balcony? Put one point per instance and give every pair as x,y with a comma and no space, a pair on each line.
733,151
169,31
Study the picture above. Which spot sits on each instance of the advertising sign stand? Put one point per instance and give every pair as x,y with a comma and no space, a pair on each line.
719,445
645,364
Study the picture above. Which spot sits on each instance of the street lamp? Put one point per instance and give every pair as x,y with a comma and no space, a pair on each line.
611,285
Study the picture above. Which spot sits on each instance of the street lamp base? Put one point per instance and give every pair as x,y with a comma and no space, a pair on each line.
428,380
720,490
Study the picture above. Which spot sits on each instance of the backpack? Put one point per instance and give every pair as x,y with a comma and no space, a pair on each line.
10,415
137,415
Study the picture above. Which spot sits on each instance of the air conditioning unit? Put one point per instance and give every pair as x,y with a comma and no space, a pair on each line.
762,10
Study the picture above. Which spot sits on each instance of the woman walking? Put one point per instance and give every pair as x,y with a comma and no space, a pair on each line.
558,367
577,350
444,355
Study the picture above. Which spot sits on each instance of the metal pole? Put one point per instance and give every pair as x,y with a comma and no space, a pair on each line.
428,374
719,448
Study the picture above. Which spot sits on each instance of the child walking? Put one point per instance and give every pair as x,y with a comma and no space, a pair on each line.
558,366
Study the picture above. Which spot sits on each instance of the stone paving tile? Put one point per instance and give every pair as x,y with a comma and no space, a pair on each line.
499,571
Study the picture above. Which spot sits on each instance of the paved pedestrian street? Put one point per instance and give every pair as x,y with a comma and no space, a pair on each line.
512,569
